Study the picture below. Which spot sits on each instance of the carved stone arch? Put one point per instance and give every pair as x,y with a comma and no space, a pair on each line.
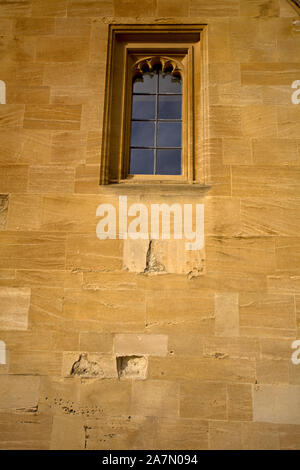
147,64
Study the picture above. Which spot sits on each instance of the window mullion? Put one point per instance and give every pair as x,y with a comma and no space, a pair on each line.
156,124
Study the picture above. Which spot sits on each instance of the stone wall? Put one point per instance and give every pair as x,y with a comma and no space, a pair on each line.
102,353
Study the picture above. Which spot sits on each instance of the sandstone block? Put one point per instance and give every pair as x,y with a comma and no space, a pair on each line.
62,49
181,433
239,402
226,314
225,435
19,392
276,404
154,345
67,433
14,306
51,8
91,8
55,117
203,400
260,436
11,115
13,178
95,342
131,8
89,365
25,212
155,398
51,179
215,8
267,310
28,250
35,363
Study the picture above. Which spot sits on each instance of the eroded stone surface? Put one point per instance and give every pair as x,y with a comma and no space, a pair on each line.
89,365
132,367
14,306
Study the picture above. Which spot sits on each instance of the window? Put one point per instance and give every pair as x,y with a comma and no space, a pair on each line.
153,128
156,117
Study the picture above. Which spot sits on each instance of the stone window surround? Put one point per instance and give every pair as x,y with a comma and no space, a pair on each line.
126,44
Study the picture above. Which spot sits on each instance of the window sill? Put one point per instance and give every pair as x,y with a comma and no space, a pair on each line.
154,187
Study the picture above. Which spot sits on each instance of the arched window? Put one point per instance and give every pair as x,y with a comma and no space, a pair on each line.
156,117
155,120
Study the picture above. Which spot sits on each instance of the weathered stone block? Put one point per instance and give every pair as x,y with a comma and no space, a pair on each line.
203,400
51,179
181,433
25,212
239,402
132,9
90,8
51,8
62,49
132,367
214,8
185,368
272,372
28,250
89,365
67,433
260,436
155,398
33,363
11,115
276,404
25,431
34,26
52,117
274,311
231,347
14,307
19,392
225,435
106,398
226,314
115,433
154,345
96,342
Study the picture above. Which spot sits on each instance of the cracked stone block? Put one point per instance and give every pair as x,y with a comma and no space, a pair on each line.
132,367
88,365
3,210
162,256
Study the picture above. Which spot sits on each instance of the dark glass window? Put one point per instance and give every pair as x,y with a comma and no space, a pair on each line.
156,124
